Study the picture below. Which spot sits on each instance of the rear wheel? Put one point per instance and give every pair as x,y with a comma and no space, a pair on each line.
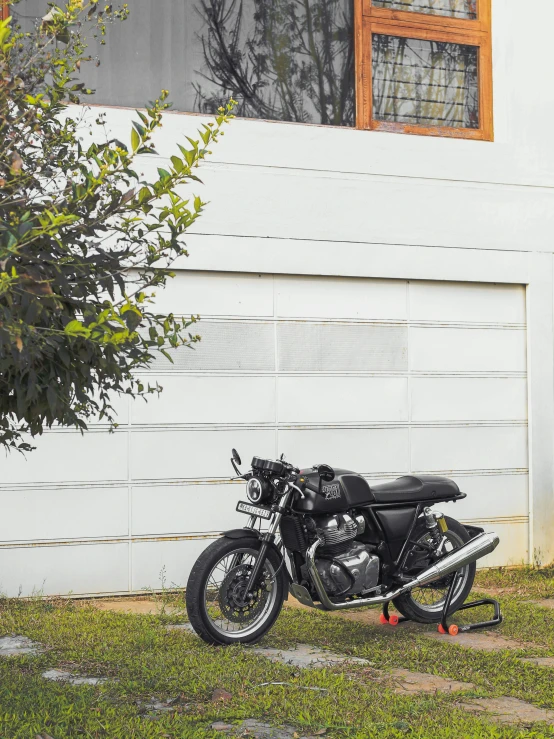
218,606
425,604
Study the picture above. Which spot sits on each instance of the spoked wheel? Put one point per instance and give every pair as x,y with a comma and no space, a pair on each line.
426,604
220,608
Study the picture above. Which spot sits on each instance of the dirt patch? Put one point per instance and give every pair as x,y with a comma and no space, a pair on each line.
419,682
544,603
139,606
305,655
258,730
486,641
509,710
540,661
181,627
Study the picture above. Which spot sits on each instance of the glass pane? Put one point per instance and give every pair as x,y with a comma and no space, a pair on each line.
464,9
287,60
428,83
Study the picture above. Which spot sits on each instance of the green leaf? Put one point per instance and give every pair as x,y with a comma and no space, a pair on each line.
135,140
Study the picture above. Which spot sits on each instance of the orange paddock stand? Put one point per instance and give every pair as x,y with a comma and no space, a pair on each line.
444,627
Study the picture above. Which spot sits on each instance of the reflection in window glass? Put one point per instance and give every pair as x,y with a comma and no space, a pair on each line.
290,60
426,83
454,8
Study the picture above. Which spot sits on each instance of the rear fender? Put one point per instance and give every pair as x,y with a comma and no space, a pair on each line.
473,530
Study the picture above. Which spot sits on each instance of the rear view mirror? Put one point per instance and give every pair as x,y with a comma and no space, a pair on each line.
235,461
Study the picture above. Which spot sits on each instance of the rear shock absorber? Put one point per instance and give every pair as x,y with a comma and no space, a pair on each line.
432,526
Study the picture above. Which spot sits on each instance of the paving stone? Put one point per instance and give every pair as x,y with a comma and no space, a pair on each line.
259,730
540,661
509,710
61,676
419,682
12,646
159,707
306,655
482,640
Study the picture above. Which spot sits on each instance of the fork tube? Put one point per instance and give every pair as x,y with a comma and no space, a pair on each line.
267,540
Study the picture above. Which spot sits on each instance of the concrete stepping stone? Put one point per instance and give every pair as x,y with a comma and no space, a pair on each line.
61,676
483,640
540,661
509,710
13,646
259,730
306,655
419,682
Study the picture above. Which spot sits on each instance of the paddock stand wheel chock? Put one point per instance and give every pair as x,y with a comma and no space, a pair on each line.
453,629
391,618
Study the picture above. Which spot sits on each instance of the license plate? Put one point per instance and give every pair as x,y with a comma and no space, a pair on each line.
253,510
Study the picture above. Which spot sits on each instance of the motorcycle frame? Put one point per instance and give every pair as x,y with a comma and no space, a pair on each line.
268,540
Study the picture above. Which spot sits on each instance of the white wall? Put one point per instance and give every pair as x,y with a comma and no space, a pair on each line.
310,200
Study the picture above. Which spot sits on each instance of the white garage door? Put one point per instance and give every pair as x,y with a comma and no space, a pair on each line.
383,377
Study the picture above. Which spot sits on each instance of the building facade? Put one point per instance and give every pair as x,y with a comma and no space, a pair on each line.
374,274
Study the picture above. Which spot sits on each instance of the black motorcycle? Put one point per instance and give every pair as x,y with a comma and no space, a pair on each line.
334,543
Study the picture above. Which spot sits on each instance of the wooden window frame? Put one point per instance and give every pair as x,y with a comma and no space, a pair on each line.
4,10
371,20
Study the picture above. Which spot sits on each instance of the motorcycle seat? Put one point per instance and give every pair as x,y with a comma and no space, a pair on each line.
412,489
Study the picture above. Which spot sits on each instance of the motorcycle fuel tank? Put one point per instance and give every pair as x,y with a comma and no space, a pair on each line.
346,490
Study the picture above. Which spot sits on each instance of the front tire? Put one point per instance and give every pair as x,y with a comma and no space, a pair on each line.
215,593
425,605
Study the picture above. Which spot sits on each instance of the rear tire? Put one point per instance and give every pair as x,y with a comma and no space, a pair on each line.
211,607
424,605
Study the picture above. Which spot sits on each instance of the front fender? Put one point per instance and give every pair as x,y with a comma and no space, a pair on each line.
253,534
241,534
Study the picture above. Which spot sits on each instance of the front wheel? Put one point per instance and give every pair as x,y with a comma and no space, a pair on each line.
425,604
217,605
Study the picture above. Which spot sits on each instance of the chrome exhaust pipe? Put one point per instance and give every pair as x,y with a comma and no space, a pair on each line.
472,551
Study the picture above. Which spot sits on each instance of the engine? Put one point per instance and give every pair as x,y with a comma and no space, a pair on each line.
346,567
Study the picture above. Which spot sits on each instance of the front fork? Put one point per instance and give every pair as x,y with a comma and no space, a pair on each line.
267,540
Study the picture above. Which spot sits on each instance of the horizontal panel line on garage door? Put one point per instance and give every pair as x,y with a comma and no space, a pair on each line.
190,481
282,426
326,373
277,426
360,322
190,536
108,540
499,519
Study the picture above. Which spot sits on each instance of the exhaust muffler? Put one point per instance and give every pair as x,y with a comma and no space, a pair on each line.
472,551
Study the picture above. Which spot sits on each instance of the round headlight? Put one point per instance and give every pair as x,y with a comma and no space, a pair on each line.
254,490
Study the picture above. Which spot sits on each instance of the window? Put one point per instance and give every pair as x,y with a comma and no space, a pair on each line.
411,66
424,66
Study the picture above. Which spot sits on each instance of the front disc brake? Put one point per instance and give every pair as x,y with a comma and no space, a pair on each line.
234,604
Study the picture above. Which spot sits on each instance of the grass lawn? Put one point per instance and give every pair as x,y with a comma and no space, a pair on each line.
145,662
